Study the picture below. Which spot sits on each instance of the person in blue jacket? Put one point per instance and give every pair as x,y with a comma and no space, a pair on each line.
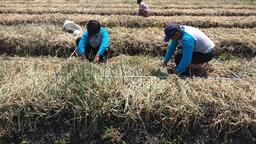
94,43
196,48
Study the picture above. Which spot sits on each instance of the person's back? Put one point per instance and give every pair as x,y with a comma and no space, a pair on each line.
203,43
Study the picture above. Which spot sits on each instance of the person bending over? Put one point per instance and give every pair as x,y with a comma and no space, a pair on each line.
196,48
94,43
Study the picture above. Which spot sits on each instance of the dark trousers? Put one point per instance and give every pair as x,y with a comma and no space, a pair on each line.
91,52
197,57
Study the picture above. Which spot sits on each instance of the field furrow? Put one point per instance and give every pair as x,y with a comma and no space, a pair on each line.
121,5
131,21
132,11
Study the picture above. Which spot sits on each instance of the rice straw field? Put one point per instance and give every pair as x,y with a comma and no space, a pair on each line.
46,96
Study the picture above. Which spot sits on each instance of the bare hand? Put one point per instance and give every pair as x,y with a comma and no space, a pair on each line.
97,58
163,64
84,58
165,44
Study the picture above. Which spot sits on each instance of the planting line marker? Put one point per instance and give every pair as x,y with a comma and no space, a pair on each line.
165,77
72,54
235,75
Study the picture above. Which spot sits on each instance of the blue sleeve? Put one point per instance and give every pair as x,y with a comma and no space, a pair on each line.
105,41
170,50
82,44
188,44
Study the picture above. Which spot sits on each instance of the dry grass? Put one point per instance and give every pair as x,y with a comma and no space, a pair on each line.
162,2
126,5
131,21
130,99
59,88
131,11
33,39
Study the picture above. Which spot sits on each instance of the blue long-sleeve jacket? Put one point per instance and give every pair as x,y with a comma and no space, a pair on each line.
170,50
84,42
188,44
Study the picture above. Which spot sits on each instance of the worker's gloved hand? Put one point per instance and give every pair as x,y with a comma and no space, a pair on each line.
163,64
97,58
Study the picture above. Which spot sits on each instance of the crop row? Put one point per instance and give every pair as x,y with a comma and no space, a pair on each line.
131,21
184,3
122,5
49,39
38,94
132,11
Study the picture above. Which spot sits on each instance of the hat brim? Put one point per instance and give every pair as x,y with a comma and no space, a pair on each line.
166,39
